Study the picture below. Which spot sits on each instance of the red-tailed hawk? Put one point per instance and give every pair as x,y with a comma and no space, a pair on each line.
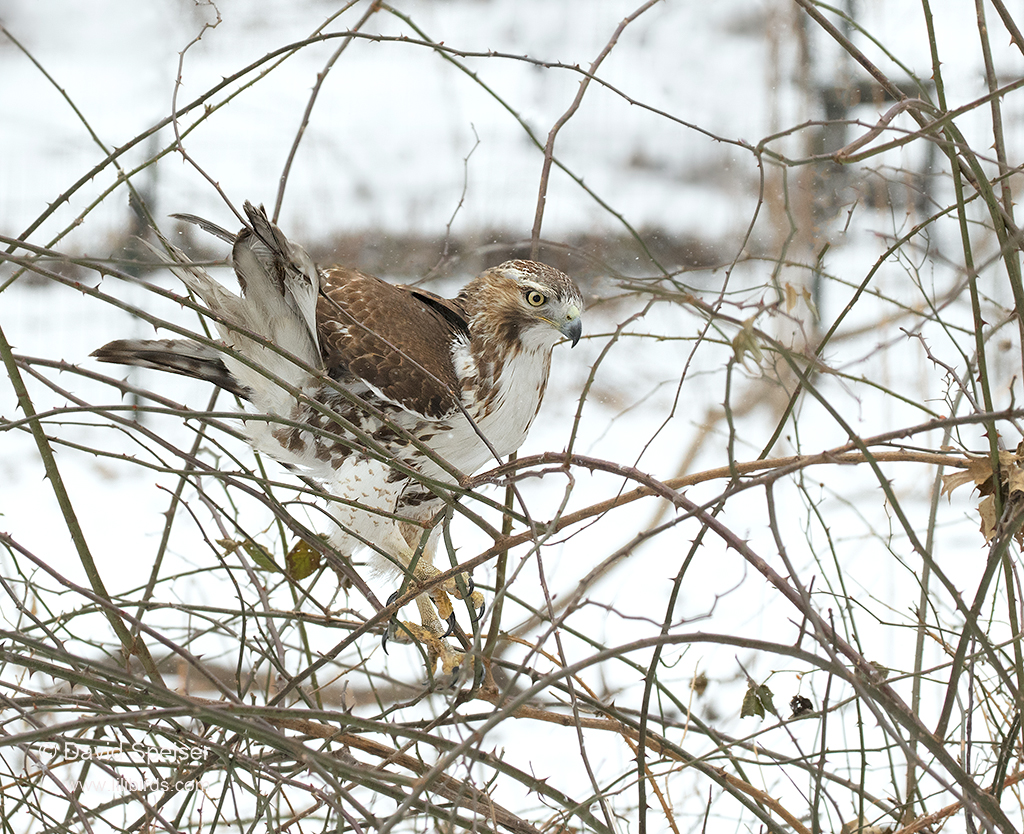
380,390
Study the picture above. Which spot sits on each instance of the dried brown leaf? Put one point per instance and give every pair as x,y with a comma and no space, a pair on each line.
978,471
987,511
956,479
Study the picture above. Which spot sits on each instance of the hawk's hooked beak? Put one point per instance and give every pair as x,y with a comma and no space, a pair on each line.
572,327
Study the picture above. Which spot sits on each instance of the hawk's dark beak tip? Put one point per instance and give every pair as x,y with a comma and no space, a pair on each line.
572,330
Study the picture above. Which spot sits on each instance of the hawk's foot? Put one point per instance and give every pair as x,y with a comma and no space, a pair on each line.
461,588
436,647
437,621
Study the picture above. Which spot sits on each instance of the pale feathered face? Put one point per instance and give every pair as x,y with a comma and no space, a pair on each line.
526,302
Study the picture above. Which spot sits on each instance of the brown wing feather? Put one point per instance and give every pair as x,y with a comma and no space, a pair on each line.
397,339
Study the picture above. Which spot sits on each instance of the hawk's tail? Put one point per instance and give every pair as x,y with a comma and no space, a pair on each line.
280,286
178,356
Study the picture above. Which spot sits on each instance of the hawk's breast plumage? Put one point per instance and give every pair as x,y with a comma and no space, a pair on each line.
384,393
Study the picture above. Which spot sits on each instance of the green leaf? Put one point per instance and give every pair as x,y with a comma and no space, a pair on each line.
302,560
766,697
757,700
747,342
751,703
257,553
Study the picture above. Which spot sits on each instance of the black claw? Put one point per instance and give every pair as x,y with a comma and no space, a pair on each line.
470,588
451,626
384,639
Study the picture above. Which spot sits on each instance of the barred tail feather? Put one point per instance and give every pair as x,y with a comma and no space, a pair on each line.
177,356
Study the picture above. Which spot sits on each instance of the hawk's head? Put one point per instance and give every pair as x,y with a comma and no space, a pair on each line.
525,304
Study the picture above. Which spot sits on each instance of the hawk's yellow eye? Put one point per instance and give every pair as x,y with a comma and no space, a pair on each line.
535,298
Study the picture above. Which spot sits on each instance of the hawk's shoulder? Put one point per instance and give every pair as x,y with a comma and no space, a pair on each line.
397,339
